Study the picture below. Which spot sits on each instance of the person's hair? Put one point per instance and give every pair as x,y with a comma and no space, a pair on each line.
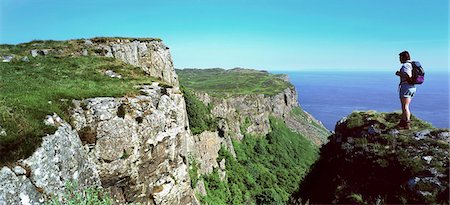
405,55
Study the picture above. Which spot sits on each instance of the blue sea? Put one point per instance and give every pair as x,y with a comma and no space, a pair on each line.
329,96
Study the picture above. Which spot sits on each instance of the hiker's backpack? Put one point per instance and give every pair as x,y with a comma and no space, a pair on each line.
418,74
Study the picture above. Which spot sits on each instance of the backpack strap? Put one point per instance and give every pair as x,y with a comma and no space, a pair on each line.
410,80
416,71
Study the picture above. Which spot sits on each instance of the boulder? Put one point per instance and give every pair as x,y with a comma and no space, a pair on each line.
60,158
112,74
25,59
34,53
37,52
7,59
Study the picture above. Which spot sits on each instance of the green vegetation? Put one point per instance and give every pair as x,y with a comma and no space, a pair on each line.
193,172
199,115
88,196
370,161
356,198
224,83
267,170
31,90
125,155
244,126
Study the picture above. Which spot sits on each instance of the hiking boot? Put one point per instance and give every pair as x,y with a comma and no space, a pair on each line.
406,125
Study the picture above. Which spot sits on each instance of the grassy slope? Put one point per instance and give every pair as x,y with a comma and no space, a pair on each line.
31,90
222,83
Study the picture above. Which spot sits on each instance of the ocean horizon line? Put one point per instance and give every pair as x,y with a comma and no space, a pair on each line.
330,70
318,70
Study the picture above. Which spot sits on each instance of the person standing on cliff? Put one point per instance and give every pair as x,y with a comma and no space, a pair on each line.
406,90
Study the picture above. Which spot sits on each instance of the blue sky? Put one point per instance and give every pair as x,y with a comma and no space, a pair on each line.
263,34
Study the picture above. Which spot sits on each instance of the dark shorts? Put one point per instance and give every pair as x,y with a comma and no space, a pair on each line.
407,91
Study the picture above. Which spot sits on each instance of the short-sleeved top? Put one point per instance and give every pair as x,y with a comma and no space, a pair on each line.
406,68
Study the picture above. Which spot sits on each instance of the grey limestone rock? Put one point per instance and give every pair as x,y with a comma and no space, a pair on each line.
37,52
88,42
222,171
25,59
112,74
422,134
200,188
394,132
444,136
34,53
152,56
140,144
7,58
18,170
207,146
17,189
85,52
373,130
60,158
44,52
2,132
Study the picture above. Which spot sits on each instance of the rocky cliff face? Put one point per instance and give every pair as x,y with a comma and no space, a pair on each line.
251,113
134,147
239,115
138,144
369,161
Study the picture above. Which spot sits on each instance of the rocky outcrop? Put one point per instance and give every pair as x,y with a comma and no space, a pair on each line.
370,161
134,147
60,158
250,113
151,55
139,144
147,53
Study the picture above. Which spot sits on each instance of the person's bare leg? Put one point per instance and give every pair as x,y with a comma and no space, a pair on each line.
406,113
